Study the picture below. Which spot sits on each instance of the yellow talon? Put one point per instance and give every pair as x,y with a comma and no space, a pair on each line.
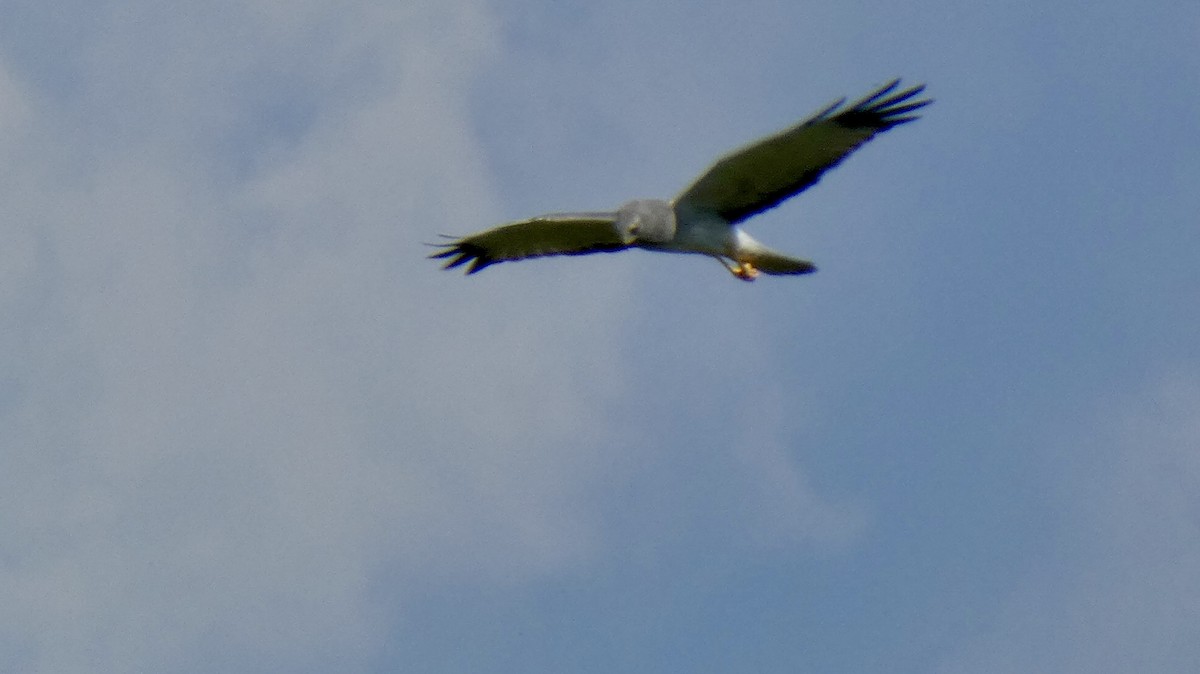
745,271
742,270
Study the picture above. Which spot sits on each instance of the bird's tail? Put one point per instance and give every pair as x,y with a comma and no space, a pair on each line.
770,261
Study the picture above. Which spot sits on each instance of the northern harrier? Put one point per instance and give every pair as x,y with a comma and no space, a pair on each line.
704,218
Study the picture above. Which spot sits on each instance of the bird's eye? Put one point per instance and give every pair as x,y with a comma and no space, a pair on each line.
633,229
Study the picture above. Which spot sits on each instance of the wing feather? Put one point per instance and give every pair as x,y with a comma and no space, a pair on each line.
769,171
554,234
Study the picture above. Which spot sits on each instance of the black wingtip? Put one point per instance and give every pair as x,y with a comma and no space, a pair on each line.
829,109
459,253
877,94
478,265
884,108
902,109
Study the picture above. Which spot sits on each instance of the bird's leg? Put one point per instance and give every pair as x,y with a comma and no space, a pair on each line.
743,270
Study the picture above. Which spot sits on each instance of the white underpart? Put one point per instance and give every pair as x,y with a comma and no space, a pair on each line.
744,243
704,233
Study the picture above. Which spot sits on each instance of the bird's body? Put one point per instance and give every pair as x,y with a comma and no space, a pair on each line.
704,219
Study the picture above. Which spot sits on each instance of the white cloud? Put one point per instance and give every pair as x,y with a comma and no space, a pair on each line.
234,394
228,404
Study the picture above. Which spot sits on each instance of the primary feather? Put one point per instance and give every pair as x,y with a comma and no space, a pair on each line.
766,172
554,234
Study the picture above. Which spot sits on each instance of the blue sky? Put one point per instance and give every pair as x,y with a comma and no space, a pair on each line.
248,427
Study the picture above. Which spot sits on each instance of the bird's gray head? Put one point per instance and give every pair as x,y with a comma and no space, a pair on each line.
646,221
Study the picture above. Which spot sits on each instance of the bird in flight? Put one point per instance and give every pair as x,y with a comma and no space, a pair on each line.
705,218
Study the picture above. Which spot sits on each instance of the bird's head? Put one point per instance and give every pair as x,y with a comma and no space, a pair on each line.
645,221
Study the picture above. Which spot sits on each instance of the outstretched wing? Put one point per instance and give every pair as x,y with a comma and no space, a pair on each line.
555,234
765,173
